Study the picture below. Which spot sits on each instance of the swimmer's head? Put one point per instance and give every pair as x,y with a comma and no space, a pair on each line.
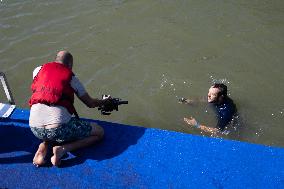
217,93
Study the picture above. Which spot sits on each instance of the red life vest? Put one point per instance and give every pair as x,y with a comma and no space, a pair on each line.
51,86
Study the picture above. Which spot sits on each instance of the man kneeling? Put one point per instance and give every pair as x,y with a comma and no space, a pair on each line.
52,106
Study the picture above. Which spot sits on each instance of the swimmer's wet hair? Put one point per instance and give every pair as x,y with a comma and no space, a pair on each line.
222,87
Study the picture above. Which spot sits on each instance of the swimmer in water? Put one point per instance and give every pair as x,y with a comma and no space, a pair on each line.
223,105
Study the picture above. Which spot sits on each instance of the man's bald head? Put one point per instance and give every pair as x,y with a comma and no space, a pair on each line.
65,57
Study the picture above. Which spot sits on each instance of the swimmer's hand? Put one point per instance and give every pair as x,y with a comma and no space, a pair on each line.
185,101
192,122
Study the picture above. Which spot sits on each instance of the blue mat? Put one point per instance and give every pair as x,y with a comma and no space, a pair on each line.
136,157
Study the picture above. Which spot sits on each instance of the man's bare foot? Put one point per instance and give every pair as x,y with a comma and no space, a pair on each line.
58,153
39,158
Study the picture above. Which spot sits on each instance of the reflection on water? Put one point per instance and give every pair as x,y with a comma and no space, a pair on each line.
154,52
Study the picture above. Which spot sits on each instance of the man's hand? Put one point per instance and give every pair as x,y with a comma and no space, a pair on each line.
108,104
94,102
191,121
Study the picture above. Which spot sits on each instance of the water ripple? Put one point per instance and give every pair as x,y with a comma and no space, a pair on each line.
29,59
49,23
19,15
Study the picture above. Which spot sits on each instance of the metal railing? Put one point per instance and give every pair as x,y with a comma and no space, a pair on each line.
6,88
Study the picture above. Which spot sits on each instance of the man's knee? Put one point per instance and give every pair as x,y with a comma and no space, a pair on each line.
97,130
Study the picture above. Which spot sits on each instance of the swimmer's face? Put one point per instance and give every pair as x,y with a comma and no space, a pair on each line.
213,95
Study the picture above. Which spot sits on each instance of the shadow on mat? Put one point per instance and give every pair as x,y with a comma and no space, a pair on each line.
118,138
15,140
18,144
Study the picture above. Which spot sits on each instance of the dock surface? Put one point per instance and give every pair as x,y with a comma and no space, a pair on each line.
137,157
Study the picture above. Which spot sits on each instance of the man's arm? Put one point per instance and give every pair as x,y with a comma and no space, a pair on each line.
83,95
192,122
91,102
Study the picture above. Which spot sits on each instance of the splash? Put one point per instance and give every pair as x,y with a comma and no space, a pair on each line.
221,80
174,86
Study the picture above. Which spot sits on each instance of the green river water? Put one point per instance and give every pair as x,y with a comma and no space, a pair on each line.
151,52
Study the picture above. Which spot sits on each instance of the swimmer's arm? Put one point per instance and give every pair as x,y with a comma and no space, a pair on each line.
190,101
209,129
192,122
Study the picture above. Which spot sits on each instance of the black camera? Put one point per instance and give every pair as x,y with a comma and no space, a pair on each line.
110,104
